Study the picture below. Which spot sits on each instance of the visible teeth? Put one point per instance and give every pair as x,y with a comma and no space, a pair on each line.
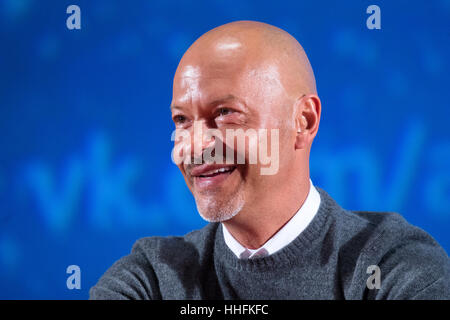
217,171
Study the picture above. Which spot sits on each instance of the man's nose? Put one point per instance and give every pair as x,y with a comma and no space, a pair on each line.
201,139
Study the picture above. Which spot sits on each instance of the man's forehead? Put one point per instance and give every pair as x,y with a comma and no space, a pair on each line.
206,69
190,72
205,83
199,87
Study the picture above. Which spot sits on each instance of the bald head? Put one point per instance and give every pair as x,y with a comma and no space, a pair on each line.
244,46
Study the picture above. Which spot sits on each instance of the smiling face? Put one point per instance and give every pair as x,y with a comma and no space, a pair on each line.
225,82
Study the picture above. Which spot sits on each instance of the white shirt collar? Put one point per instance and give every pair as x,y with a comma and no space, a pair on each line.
285,235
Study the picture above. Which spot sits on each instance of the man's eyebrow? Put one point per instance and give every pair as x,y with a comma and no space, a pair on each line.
174,107
227,98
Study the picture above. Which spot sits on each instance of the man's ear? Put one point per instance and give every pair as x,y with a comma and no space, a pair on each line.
307,120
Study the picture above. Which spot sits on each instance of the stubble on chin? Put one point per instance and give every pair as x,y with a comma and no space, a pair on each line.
214,208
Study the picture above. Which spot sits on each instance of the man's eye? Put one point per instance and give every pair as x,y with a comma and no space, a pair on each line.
179,119
224,111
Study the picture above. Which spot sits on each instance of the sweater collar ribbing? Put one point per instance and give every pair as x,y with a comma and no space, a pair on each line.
290,254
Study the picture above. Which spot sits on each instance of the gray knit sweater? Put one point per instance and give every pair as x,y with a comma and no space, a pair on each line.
328,260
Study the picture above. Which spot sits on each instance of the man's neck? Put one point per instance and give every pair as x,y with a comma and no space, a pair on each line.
253,227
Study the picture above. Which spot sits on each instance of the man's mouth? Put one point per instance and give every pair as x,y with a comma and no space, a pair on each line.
211,175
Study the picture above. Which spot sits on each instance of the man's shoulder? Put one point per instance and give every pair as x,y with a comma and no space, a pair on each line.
376,222
196,241
371,228
412,263
383,230
380,235
152,261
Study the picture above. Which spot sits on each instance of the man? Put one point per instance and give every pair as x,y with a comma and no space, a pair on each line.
271,236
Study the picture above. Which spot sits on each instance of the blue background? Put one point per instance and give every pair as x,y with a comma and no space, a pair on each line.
85,127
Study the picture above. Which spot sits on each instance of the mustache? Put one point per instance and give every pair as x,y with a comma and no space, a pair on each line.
207,154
